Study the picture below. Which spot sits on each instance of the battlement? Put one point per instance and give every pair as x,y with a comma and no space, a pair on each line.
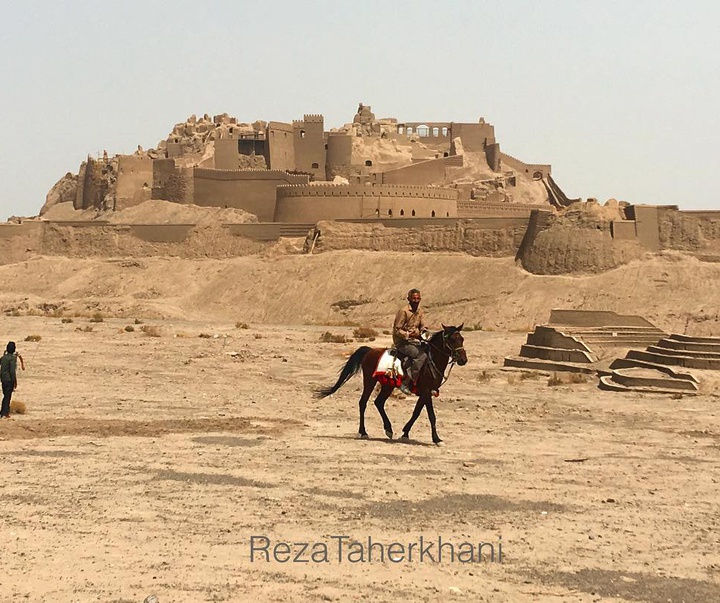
313,118
360,190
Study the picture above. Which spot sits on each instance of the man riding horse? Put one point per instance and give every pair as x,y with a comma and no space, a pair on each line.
408,329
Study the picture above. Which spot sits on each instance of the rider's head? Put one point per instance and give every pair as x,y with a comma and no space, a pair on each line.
413,298
11,347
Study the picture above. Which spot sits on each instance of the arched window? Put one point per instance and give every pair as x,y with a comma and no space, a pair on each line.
402,212
432,213
413,212
315,166
444,131
408,132
368,163
401,130
447,214
302,133
436,132
423,131
390,212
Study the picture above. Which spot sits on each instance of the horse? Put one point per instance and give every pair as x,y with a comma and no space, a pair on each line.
443,347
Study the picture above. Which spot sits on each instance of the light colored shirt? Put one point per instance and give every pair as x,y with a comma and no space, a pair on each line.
408,324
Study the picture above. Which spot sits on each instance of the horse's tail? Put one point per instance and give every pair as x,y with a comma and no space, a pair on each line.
351,368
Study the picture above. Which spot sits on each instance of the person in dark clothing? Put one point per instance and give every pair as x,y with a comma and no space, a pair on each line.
8,377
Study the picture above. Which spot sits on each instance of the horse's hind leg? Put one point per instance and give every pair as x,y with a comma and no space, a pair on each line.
368,386
380,405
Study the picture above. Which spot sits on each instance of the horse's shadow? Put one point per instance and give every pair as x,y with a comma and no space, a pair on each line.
382,440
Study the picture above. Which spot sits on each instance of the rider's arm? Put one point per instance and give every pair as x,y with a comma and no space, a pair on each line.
399,325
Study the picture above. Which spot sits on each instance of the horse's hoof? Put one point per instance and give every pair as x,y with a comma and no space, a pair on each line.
363,436
389,434
405,437
439,443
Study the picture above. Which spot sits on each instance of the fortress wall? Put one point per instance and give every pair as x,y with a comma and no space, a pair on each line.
309,145
161,233
299,204
528,169
493,156
474,136
431,171
466,236
280,149
623,230
250,190
11,231
475,208
92,187
339,155
226,154
688,230
171,183
647,226
134,180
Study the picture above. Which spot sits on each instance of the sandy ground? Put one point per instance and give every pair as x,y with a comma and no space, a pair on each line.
145,465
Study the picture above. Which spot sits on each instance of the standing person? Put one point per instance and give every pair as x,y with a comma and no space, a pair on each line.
8,376
407,330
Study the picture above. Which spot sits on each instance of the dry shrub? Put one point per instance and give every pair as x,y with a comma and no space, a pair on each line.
484,376
97,317
258,336
205,336
566,378
151,330
86,329
328,337
129,328
525,375
241,325
362,333
17,407
67,320
138,321
33,338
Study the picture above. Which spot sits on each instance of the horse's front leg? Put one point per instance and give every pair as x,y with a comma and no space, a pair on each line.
380,405
431,415
416,413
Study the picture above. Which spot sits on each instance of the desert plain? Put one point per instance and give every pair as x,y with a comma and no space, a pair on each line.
170,418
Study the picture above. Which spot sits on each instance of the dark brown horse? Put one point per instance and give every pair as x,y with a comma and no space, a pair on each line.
443,348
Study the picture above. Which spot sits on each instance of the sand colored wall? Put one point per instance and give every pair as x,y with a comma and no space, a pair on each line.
92,185
596,318
647,225
425,172
252,191
531,170
476,208
29,227
493,156
309,143
490,237
474,136
134,180
161,233
339,155
226,154
313,203
623,230
280,148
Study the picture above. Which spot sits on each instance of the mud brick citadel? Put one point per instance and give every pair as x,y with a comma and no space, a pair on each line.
371,184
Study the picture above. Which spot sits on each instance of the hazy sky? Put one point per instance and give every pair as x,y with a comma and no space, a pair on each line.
621,97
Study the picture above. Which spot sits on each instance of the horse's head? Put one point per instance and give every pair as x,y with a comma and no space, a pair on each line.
454,342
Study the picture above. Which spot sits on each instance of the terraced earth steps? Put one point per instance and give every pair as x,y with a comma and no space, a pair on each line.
539,364
608,384
620,363
551,353
690,346
642,377
657,349
676,360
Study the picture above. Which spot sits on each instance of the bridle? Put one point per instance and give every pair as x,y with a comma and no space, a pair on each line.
453,356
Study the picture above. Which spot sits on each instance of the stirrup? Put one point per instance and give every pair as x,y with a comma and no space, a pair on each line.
405,388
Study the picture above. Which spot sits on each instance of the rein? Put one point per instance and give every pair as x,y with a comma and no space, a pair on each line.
451,359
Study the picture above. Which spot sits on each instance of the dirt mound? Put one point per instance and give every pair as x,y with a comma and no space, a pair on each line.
156,211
